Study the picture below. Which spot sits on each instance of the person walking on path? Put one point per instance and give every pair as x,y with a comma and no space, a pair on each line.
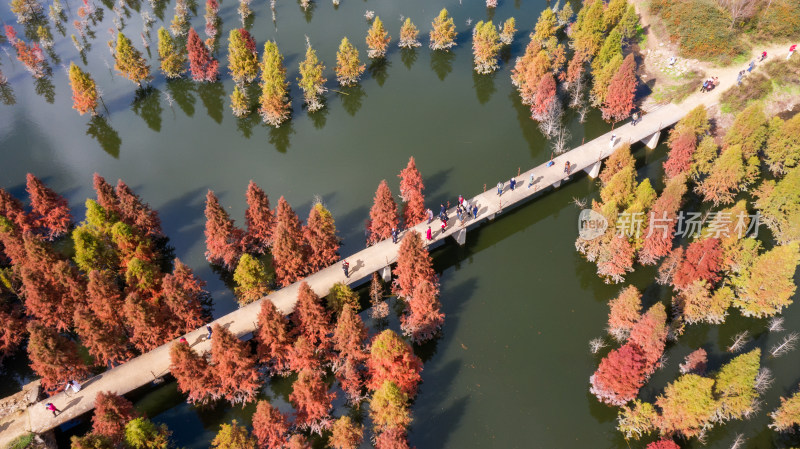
74,385
458,213
183,340
613,138
442,211
739,78
634,118
751,66
429,234
346,268
475,210
50,406
460,200
499,188
567,167
763,56
394,235
791,51
530,181
512,183
429,214
208,328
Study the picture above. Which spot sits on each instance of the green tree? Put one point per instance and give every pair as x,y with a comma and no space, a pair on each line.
638,420
726,177
242,56
749,130
389,408
172,56
253,279
545,28
129,61
589,29
509,29
443,32
735,386
612,47
768,285
687,405
240,105
141,433
311,80
233,436
340,296
94,248
348,65
275,107
629,24
485,46
779,204
90,441
602,79
783,144
614,12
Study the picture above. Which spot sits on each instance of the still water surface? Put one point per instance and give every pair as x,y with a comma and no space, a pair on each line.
512,366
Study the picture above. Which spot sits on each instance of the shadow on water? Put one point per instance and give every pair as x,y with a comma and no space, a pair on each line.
147,105
212,94
433,424
245,125
7,95
181,91
106,136
44,87
352,98
484,86
280,137
409,57
442,63
189,204
379,69
320,117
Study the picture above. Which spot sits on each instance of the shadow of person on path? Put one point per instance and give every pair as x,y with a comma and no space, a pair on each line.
359,264
70,404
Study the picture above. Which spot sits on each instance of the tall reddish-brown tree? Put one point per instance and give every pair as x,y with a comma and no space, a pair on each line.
111,413
259,219
650,334
49,210
348,340
137,213
625,312
681,150
383,215
223,239
392,359
13,331
618,102
411,188
12,244
148,321
104,298
107,342
423,316
234,367
288,251
616,260
184,295
12,209
392,439
703,260
303,355
202,65
414,265
54,357
663,444
695,362
193,374
106,196
545,96
660,227
311,318
320,236
620,375
270,426
273,338
312,400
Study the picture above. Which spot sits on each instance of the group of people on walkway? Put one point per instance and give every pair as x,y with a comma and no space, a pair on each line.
709,84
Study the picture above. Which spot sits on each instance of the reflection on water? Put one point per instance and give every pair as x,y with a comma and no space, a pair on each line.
7,95
181,91
320,117
442,63
147,105
213,97
484,86
106,136
44,86
408,56
352,98
379,69
280,137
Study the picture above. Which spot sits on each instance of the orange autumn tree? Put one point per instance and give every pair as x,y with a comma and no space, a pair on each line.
270,426
49,210
84,90
349,337
223,239
377,39
193,374
54,357
273,338
320,236
136,213
312,401
259,219
663,216
618,102
423,318
625,312
414,265
383,215
392,359
311,319
346,434
411,188
702,261
234,367
288,250
111,413
184,295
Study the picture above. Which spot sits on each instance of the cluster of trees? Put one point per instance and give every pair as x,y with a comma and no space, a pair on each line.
695,402
120,292
275,247
384,216
598,36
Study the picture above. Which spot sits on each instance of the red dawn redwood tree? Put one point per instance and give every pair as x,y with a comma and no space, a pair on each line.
106,196
348,340
320,236
618,101
12,244
312,400
695,362
658,238
49,210
411,188
423,317
13,331
84,90
311,318
259,219
383,215
111,413
650,335
616,261
288,252
620,375
202,65
625,312
193,374
703,260
54,357
414,265
663,444
392,438
107,343
135,212
148,321
545,96
273,338
681,150
104,297
392,359
234,367
303,355
223,239
270,426
12,209
183,295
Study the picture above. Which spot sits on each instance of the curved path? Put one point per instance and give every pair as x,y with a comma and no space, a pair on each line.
148,367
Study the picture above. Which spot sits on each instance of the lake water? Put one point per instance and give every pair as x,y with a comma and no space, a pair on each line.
511,369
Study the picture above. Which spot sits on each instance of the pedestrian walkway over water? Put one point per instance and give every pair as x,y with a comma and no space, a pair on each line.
155,364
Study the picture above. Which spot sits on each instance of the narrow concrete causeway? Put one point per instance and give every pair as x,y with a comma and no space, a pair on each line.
154,364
